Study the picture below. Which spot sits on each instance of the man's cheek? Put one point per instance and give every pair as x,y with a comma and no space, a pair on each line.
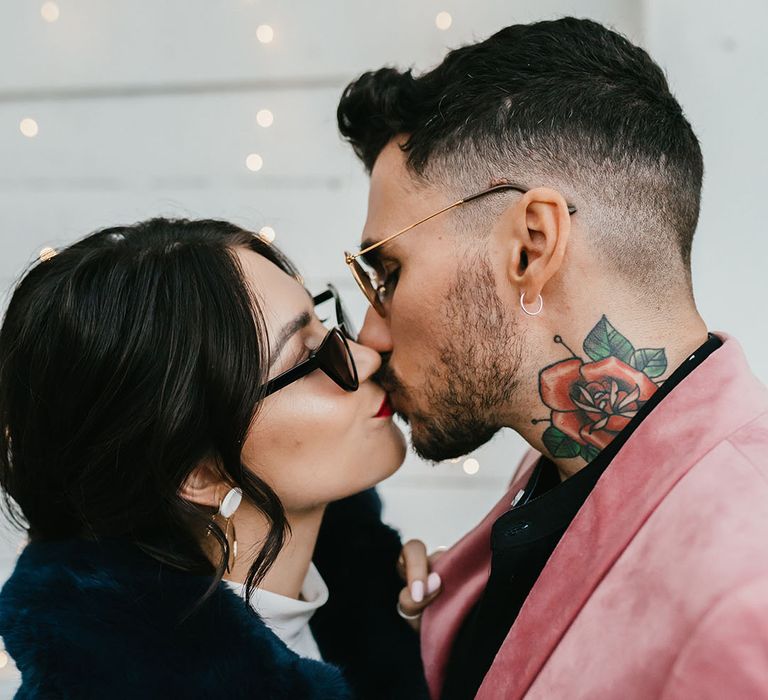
417,356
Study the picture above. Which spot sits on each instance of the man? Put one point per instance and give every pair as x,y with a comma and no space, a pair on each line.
527,250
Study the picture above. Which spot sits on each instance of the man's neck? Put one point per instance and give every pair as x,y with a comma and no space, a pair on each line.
586,387
287,574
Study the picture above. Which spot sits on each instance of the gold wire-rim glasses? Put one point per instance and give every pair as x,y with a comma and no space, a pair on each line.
363,279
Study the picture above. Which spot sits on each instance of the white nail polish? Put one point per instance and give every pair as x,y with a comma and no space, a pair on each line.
417,591
433,582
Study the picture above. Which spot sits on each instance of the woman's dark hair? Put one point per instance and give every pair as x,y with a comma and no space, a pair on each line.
126,360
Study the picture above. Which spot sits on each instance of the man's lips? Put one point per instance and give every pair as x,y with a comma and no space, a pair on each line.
385,411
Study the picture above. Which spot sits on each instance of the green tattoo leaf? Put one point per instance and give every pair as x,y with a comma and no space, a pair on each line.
604,340
559,444
652,361
589,452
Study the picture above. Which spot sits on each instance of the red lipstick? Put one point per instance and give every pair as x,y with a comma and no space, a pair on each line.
386,408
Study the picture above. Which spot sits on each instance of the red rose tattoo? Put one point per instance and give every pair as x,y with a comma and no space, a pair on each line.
592,401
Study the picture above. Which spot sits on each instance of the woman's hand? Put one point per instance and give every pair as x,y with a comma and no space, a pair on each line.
422,584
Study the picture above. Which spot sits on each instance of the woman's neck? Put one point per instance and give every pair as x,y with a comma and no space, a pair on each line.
287,574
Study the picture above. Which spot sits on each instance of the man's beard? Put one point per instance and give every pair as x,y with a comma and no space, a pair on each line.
474,376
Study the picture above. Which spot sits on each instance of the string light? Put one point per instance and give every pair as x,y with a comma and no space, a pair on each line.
265,33
254,162
471,466
443,20
267,233
28,127
265,118
50,11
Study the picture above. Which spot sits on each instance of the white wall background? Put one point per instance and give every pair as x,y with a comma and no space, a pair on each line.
149,108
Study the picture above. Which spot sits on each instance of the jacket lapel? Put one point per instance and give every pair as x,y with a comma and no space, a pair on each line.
717,398
464,570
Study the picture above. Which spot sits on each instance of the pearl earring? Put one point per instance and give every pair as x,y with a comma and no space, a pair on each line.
227,507
231,502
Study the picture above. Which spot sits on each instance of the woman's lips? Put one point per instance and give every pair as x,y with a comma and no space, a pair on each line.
386,408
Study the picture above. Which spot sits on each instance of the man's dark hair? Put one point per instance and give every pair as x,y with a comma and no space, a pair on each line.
568,104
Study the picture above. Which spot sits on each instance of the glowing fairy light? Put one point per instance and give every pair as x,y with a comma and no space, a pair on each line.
265,34
443,20
267,233
265,118
254,162
46,254
471,466
50,11
29,127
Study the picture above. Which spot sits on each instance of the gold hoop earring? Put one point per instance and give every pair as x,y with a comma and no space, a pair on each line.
233,548
227,507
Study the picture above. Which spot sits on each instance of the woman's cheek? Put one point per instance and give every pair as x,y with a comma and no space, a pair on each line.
304,450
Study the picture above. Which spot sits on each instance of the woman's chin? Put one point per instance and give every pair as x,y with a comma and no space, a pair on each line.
398,448
388,455
400,444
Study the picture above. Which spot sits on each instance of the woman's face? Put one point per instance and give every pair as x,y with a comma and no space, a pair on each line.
313,442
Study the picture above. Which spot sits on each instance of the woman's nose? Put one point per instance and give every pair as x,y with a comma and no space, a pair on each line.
375,333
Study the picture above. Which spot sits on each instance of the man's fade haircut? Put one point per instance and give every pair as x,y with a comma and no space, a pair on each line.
568,104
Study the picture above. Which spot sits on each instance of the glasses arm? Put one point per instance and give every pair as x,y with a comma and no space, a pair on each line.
323,296
350,257
508,186
283,380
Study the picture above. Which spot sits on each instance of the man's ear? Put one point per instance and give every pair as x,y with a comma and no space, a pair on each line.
203,486
533,233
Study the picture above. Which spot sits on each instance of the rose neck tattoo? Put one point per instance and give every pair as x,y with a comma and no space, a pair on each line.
591,401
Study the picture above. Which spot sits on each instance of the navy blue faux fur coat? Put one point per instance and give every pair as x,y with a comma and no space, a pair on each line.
89,620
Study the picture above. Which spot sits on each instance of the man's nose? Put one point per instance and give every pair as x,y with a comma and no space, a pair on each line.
375,333
367,360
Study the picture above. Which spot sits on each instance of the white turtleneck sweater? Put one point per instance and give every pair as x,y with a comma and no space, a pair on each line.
287,617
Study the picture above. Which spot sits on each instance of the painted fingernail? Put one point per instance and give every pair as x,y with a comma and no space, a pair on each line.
433,582
417,591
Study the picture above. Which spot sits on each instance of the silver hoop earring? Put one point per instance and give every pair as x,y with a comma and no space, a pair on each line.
531,313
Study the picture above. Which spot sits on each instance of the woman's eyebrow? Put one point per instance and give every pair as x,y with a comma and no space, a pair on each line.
288,331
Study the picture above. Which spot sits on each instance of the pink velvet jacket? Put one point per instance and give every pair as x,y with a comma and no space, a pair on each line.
659,588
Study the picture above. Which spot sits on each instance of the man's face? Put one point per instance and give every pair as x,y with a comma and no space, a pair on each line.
451,349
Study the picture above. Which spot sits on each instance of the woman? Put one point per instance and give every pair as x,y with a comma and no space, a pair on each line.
176,421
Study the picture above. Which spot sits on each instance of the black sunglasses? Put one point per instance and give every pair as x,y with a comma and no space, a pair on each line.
332,356
342,317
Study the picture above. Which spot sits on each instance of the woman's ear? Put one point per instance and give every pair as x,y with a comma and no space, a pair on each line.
534,235
203,486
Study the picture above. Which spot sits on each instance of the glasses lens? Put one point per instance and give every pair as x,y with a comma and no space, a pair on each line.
364,277
343,319
333,313
335,359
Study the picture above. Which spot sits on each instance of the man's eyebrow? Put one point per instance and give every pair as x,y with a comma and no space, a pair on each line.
288,331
